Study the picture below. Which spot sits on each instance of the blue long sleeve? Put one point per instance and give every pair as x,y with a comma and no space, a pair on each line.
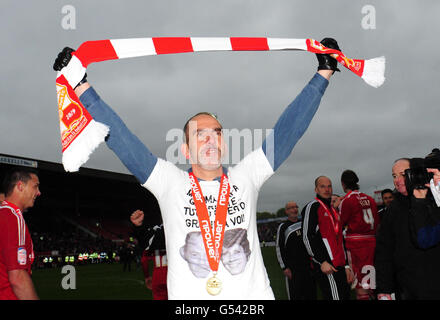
294,121
130,150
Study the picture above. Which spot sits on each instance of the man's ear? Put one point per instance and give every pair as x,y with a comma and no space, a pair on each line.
20,186
184,148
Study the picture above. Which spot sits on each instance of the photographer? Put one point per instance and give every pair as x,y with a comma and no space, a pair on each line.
402,266
425,214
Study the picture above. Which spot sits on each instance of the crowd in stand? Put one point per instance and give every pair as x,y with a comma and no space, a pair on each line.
67,244
267,231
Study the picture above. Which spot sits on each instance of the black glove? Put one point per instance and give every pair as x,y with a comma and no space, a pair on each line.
63,60
325,61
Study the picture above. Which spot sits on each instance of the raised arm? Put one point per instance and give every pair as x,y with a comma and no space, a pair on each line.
130,150
296,118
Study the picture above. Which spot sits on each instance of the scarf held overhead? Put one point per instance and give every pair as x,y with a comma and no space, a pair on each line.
81,134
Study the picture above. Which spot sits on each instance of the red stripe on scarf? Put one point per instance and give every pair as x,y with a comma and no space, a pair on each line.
172,45
95,51
249,44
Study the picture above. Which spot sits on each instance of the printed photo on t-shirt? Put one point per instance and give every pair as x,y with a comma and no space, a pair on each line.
234,257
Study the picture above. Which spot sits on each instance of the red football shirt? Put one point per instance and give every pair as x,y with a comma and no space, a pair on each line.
16,248
359,213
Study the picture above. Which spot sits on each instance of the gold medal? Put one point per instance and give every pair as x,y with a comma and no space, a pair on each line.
213,286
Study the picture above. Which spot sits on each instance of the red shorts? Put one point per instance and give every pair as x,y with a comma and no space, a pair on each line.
360,254
160,283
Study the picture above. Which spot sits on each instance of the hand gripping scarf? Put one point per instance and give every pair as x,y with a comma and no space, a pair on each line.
80,134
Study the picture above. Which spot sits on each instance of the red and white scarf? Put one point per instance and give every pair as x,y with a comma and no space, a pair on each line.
80,134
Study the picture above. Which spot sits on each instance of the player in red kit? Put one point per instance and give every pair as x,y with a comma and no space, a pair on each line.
359,215
157,282
21,188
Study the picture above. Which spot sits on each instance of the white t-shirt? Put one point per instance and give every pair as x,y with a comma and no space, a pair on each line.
241,270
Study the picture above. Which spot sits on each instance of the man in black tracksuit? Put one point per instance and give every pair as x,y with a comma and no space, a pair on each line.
323,239
402,266
293,257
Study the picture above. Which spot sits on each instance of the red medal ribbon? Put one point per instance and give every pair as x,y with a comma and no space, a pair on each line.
333,214
212,239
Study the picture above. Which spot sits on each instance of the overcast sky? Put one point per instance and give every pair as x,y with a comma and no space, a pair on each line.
356,127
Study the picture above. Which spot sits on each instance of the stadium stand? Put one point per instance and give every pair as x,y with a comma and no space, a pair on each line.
83,212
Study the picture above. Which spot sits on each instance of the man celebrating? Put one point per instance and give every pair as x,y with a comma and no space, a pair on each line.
322,236
209,199
16,250
293,257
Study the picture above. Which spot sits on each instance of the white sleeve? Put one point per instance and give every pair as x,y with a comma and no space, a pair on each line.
256,167
163,174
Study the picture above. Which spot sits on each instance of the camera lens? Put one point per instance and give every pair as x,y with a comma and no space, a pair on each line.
416,178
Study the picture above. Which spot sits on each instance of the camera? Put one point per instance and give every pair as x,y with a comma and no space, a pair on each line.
416,176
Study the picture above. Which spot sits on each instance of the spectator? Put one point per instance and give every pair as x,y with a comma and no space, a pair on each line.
387,197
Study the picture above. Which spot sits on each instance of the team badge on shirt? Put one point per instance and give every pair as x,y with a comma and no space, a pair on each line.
21,256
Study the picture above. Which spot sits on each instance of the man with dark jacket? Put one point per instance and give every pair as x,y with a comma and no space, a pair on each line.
293,257
322,236
402,267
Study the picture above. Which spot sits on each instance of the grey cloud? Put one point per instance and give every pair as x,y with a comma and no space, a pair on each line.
356,127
